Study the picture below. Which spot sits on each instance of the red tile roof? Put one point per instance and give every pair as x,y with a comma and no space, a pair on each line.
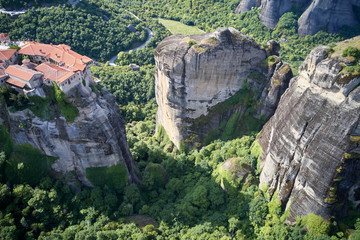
4,36
59,53
54,73
6,54
15,82
21,72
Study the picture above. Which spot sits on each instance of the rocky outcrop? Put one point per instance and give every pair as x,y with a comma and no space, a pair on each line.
196,73
310,144
95,138
329,14
246,5
316,14
272,10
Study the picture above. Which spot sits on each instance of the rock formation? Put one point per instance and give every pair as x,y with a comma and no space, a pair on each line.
310,144
246,5
271,11
316,14
196,73
95,138
329,14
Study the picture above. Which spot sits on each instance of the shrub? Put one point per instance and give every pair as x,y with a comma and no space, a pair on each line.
192,43
351,52
316,224
27,165
67,109
114,177
155,176
42,107
6,143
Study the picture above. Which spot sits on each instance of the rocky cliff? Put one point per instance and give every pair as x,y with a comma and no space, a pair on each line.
310,146
271,11
328,14
246,5
316,14
95,138
196,74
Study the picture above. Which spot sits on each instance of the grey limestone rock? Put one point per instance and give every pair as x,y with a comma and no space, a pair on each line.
246,5
195,73
272,10
96,137
308,145
329,14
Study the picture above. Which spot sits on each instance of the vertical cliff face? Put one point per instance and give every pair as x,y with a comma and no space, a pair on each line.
311,142
317,14
271,11
331,14
96,138
196,73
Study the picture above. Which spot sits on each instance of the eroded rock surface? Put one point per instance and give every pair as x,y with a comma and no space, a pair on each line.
316,14
95,138
310,145
272,10
329,14
246,5
195,73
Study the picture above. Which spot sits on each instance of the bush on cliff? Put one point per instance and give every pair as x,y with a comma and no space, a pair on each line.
114,177
67,109
316,224
27,165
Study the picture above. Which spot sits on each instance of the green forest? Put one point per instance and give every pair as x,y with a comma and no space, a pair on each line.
19,4
184,193
89,30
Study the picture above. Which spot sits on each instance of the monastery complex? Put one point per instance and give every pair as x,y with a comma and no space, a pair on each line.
44,64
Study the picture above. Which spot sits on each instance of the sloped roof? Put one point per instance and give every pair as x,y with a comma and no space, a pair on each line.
59,53
4,36
15,82
6,54
54,73
21,72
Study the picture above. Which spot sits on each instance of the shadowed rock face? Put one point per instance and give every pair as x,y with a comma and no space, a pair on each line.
331,14
272,10
305,141
195,73
95,138
317,14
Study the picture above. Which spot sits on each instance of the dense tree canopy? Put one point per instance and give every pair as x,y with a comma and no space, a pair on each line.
88,30
187,191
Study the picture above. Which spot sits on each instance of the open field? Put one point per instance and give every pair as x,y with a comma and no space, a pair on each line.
176,27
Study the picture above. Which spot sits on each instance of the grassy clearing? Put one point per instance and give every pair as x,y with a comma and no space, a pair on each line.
341,46
176,27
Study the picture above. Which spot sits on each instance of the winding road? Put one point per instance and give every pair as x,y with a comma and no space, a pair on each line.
150,35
